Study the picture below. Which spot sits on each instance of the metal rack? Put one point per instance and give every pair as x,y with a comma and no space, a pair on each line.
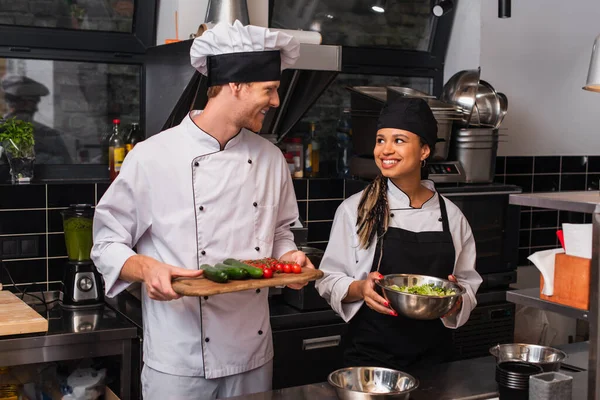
583,202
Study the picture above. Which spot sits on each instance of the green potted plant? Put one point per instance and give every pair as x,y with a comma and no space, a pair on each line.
16,138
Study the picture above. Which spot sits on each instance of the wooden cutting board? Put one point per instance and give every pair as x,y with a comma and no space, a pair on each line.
16,317
205,287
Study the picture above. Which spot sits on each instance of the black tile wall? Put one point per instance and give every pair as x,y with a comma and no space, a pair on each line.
322,209
325,189
547,174
30,216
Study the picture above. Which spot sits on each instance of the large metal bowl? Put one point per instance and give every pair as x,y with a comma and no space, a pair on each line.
419,306
461,90
546,357
373,383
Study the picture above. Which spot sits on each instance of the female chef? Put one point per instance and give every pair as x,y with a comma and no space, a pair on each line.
398,224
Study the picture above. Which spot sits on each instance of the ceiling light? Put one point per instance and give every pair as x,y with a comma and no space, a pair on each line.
379,6
442,8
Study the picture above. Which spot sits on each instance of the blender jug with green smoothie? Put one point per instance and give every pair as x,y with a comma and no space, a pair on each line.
83,283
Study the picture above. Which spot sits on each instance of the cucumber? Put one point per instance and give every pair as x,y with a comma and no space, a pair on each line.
233,272
255,273
214,274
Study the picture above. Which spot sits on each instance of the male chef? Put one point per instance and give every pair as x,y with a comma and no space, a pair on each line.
198,193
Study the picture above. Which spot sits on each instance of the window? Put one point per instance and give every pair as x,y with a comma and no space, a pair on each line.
71,104
94,15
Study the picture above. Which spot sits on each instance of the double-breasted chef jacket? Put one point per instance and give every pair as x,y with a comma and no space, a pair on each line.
182,200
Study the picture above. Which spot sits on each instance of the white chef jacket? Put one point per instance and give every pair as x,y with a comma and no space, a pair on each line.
345,261
183,201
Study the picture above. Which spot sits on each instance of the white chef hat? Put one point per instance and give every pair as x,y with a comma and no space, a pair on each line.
237,53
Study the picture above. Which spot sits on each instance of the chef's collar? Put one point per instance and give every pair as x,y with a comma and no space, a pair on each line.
204,138
401,199
241,54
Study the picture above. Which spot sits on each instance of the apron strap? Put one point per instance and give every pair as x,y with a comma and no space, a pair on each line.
445,224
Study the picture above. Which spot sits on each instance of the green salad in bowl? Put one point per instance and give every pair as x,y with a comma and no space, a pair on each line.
427,289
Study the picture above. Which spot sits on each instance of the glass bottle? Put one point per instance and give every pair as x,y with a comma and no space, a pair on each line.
344,144
134,136
315,156
116,150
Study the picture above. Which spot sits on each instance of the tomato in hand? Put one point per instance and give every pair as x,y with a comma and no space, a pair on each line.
279,267
267,273
296,269
287,268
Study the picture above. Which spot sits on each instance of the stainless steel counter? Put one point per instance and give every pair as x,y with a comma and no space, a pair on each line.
472,379
72,335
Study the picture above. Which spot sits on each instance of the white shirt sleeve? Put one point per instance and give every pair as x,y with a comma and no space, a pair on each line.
122,216
466,275
286,216
339,264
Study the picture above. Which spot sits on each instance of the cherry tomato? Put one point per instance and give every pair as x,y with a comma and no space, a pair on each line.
287,268
296,269
279,267
267,273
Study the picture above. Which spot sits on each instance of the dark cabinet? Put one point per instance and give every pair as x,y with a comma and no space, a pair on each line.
307,355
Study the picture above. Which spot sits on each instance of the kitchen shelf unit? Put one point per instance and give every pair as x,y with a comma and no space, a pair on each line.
584,202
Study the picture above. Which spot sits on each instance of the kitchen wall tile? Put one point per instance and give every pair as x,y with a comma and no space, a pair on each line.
572,182
56,269
545,165
499,178
318,231
570,217
55,222
63,195
525,220
546,183
354,186
322,210
500,165
587,218
593,182
29,221
544,219
524,181
574,164
523,254
56,245
524,238
101,188
594,164
24,271
543,237
300,187
302,207
325,189
22,196
519,165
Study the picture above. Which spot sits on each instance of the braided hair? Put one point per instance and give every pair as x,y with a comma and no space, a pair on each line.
373,212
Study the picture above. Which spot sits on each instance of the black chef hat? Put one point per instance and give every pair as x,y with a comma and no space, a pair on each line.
22,86
410,114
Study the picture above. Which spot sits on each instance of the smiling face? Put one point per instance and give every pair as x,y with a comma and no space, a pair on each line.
256,99
399,153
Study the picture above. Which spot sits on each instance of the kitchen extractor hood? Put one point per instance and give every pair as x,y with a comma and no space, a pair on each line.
173,87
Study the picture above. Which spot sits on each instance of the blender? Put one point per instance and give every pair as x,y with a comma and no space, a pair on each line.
82,282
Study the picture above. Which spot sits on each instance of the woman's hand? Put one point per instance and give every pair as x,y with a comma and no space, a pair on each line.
372,299
458,305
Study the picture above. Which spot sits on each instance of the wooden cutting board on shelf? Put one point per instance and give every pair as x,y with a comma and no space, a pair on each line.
17,318
204,287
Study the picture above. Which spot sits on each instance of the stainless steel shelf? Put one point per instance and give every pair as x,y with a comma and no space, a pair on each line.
583,201
531,298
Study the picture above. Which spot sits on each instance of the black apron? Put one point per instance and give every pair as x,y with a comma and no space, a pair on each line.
375,339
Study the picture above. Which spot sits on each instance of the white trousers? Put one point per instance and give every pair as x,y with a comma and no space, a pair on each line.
160,386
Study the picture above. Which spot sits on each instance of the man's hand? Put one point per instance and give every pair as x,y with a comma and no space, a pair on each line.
458,305
157,277
299,258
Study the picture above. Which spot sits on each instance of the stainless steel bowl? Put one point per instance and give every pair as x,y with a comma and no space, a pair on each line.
546,357
374,383
461,90
419,306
